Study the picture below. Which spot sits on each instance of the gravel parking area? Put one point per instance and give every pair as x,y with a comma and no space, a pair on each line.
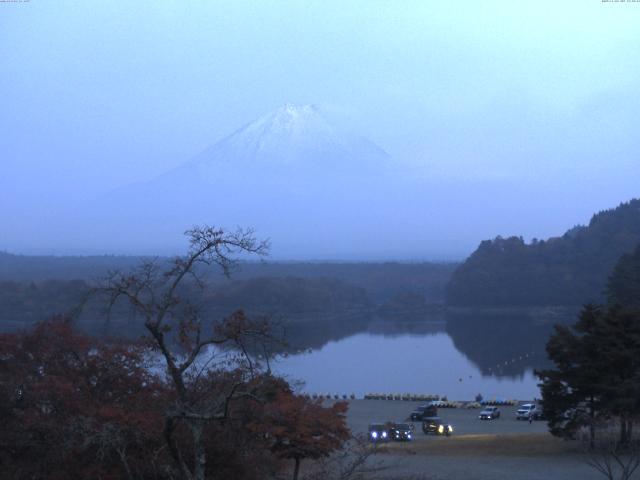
502,449
464,421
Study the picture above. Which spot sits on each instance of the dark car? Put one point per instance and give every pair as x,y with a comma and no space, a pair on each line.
401,432
489,413
437,426
424,411
378,432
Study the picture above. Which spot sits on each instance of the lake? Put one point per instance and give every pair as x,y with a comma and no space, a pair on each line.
450,354
428,363
460,356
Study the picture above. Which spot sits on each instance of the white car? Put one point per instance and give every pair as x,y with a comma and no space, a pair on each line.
489,413
525,411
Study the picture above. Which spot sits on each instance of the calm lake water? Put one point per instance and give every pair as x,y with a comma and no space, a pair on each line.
410,362
457,355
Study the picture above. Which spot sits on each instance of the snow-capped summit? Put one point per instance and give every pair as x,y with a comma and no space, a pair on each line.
294,121
290,174
293,138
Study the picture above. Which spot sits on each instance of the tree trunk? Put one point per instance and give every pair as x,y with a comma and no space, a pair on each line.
200,456
592,425
169,427
296,468
624,440
122,452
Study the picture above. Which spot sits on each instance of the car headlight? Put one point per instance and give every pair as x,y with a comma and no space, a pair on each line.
384,434
440,429
374,434
408,435
450,428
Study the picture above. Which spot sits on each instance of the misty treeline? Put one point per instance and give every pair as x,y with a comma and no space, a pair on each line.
381,280
296,300
568,270
24,303
178,404
595,381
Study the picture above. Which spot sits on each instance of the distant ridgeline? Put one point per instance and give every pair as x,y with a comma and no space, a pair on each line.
383,282
568,270
344,294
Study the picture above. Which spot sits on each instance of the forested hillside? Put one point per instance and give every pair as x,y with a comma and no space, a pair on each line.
382,281
623,288
568,270
290,295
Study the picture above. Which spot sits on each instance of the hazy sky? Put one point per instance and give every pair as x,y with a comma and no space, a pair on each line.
543,94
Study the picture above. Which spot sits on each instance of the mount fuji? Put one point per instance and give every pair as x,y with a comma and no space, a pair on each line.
292,175
291,146
292,139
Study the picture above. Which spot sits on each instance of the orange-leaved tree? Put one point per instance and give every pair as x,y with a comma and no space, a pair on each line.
298,428
74,406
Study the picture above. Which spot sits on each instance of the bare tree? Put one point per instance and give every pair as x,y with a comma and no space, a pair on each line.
354,462
179,331
613,459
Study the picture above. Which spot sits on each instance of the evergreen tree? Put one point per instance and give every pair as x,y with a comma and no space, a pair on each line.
623,288
572,391
597,374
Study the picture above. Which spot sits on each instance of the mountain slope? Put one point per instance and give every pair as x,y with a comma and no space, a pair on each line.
569,270
296,142
292,175
292,136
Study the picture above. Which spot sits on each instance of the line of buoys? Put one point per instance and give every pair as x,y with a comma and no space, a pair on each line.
402,396
329,396
500,365
498,402
437,400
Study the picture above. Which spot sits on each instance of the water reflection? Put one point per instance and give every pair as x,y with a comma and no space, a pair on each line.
503,345
414,363
459,355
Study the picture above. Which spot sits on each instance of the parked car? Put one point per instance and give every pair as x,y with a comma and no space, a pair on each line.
378,432
423,411
401,432
527,410
489,413
538,414
436,426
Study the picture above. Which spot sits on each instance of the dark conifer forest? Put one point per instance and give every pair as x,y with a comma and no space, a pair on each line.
569,270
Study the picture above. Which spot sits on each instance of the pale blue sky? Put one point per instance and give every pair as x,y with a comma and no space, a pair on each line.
96,95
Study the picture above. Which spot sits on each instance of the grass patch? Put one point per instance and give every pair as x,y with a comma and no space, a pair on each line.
511,445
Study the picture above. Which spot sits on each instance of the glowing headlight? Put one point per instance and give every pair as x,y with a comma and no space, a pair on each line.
374,434
450,428
408,435
440,429
384,434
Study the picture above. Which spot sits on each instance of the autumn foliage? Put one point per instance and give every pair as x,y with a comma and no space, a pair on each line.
298,428
74,406
170,407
